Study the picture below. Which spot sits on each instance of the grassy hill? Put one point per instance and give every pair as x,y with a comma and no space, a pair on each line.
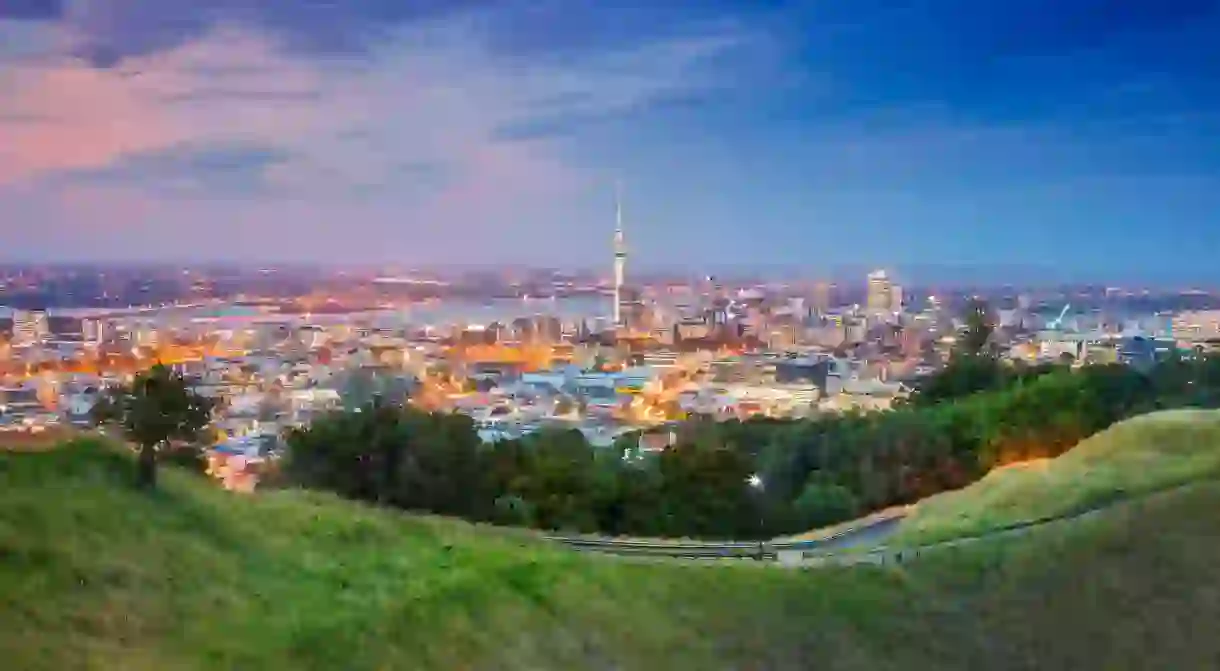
96,575
1135,457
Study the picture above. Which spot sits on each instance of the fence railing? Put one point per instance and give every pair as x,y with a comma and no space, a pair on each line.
680,550
797,553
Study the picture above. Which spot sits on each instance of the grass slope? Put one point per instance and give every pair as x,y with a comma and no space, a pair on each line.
95,575
1136,457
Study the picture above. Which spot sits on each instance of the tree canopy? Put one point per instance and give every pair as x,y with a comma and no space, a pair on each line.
814,472
155,409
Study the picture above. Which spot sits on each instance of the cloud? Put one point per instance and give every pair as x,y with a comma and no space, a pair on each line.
18,119
187,170
23,42
112,31
420,124
430,92
31,10
90,118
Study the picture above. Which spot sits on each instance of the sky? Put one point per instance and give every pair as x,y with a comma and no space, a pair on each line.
1022,138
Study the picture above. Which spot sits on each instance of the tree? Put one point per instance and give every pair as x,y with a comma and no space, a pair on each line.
824,503
961,377
973,365
513,510
976,337
155,409
979,414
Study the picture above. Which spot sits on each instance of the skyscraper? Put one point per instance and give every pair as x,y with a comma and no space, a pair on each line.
821,297
620,257
880,292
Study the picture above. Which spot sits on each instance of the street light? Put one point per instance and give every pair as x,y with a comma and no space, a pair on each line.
755,482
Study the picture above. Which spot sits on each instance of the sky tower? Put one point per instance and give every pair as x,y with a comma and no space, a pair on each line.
620,255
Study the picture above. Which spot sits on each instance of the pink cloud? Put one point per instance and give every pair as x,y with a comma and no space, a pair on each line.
441,101
82,118
499,174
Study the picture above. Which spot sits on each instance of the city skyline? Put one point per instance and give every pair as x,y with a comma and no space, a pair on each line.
1076,138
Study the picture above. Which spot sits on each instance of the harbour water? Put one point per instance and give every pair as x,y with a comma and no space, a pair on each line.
434,313
507,309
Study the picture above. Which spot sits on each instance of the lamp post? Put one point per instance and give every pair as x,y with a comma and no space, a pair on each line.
756,484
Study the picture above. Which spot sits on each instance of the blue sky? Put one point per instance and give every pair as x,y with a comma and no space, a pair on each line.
1074,138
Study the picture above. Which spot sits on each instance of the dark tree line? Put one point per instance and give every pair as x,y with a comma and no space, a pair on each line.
812,472
408,458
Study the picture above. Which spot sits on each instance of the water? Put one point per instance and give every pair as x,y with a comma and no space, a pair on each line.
439,313
507,309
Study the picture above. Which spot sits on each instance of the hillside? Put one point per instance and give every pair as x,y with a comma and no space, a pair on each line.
1135,457
94,574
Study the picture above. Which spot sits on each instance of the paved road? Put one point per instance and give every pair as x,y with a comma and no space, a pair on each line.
866,535
870,534
834,550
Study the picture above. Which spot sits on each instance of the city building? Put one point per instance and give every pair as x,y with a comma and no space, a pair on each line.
1142,353
1196,326
30,327
94,332
822,300
880,292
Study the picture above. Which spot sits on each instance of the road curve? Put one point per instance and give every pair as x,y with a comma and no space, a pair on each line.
866,535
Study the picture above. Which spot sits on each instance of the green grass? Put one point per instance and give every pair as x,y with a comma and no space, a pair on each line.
96,575
1136,457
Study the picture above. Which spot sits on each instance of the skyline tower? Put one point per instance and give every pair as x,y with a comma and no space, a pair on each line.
620,256
880,292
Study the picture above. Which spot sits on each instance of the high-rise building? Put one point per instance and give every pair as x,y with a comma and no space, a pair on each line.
821,297
620,257
880,292
855,331
94,332
30,326
91,331
896,298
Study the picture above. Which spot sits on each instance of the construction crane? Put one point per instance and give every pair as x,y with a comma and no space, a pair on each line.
1057,322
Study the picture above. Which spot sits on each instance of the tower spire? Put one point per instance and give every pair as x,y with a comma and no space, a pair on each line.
620,253
618,208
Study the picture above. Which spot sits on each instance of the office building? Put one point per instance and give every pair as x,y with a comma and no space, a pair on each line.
1193,325
30,327
896,298
822,298
96,332
880,292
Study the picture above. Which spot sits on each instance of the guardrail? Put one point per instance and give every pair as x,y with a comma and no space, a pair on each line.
779,554
883,555
795,553
760,550
680,550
